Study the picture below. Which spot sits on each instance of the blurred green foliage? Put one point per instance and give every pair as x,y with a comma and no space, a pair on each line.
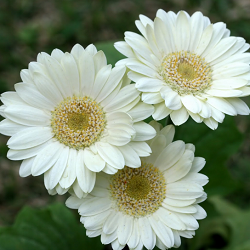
52,228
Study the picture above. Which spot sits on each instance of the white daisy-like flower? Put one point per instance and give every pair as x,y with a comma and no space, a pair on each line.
186,66
148,206
72,116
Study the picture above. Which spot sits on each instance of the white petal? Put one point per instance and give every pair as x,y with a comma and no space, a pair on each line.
100,192
100,80
141,148
224,93
222,105
198,164
124,49
230,83
87,73
95,222
200,214
172,99
230,70
57,74
11,98
190,222
77,51
56,172
218,30
182,32
94,206
112,222
184,190
9,128
25,168
116,245
205,40
91,49
130,156
111,155
141,111
157,144
211,123
26,153
240,106
224,45
30,137
27,115
147,234
124,229
162,231
170,219
123,98
197,26
151,98
170,155
180,168
161,111
85,177
73,202
112,82
201,179
71,72
143,131
149,84
69,174
135,237
93,161
30,94
164,36
46,158
178,203
191,103
184,210
57,54
47,88
100,60
179,116
108,238
142,69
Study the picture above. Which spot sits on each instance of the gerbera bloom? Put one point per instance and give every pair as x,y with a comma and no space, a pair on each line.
151,205
72,116
187,66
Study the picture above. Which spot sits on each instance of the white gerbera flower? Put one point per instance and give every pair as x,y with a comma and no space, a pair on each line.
187,66
151,205
72,116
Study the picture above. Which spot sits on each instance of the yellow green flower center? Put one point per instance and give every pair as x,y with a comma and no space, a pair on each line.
138,192
186,73
78,122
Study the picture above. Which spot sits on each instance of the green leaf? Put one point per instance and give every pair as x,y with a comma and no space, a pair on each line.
229,229
111,53
52,228
216,146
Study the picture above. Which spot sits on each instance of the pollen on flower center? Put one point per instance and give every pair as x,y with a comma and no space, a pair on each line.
138,187
78,122
186,72
138,192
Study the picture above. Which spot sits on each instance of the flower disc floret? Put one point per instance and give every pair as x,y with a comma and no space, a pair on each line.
138,192
186,73
78,122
